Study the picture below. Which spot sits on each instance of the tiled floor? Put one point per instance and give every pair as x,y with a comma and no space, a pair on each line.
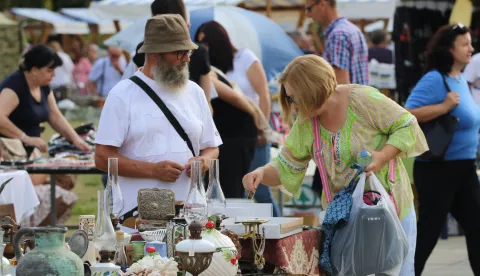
449,258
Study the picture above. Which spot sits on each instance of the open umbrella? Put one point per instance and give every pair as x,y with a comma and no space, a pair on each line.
254,31
131,36
246,29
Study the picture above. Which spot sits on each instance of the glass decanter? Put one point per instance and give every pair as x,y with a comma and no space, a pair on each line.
215,197
104,236
113,191
195,207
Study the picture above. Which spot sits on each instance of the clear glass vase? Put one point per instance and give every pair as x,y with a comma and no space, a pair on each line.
104,236
195,207
113,191
216,202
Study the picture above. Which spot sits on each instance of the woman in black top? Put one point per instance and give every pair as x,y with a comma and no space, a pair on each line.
26,101
235,125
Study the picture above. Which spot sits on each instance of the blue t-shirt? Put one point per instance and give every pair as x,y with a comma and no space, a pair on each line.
430,90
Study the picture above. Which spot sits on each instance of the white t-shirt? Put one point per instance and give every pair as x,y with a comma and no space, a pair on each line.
131,121
63,74
242,61
472,74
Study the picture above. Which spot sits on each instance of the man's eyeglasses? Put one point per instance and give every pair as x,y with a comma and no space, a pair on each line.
309,8
290,99
181,54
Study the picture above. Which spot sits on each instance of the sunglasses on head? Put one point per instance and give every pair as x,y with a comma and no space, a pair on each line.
309,8
459,27
290,99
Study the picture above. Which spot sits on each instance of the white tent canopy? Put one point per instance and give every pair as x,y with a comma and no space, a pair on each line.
136,9
61,24
139,9
105,26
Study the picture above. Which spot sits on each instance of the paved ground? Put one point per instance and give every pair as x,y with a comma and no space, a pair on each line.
449,258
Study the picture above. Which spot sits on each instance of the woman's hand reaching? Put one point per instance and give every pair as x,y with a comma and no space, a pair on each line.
82,145
253,179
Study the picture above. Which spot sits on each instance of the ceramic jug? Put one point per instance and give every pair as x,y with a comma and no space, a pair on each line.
49,257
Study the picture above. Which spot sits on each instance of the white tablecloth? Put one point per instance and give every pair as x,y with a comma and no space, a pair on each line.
20,192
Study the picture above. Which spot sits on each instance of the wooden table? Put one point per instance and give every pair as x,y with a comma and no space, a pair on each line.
54,169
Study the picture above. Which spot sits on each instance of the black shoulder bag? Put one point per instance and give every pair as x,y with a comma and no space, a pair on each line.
171,118
439,133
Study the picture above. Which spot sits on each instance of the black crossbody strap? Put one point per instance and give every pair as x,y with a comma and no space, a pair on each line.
165,110
446,84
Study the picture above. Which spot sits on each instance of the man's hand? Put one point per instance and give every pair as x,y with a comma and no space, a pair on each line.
204,160
167,171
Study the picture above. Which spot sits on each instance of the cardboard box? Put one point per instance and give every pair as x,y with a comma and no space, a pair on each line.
309,218
246,209
275,228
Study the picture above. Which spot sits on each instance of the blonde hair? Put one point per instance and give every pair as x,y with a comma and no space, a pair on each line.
313,80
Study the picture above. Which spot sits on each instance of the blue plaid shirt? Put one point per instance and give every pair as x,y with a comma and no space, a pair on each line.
346,48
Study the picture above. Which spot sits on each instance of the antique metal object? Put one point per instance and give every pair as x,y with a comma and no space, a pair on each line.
8,252
78,243
49,257
154,207
195,254
235,239
253,232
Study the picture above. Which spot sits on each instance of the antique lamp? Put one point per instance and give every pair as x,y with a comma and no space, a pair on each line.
195,254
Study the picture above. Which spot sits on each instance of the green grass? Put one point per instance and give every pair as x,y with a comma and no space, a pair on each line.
85,188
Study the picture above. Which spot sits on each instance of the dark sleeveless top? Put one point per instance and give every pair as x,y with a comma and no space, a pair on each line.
29,113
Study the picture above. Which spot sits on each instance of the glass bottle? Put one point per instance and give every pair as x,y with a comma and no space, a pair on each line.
195,207
215,198
120,257
104,236
113,191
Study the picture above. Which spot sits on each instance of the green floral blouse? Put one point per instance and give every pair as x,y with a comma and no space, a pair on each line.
373,120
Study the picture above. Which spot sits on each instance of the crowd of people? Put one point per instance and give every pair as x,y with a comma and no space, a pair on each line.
182,99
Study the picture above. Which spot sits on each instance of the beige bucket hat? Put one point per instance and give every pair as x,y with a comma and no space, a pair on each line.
166,33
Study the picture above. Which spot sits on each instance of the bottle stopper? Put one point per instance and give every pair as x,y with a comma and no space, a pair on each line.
120,235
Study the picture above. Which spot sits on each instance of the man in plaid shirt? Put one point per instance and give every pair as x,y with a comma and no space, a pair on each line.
345,45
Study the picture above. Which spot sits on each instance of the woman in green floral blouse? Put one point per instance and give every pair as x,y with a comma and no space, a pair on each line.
352,118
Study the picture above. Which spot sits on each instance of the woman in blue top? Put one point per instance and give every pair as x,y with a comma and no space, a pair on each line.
450,185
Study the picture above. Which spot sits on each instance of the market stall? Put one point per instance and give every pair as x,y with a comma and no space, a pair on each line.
51,22
11,45
98,25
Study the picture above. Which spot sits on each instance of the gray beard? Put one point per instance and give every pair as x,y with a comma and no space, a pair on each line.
174,78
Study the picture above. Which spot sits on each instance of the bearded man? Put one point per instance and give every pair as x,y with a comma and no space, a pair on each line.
137,130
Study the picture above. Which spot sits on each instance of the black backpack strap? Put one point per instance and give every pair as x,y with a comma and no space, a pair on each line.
165,111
